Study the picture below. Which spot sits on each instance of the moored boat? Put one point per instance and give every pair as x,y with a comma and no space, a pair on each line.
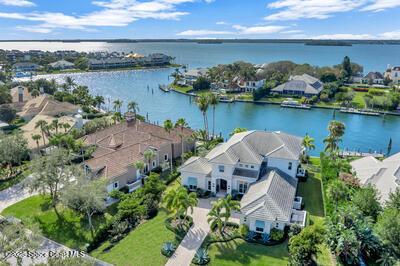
359,112
295,104
164,88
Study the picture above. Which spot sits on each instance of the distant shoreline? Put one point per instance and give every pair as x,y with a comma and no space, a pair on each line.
217,41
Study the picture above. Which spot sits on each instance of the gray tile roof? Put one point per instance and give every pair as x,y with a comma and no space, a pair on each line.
196,165
384,175
304,83
271,198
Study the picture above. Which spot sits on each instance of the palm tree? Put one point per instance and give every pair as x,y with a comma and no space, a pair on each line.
116,117
213,101
181,124
117,105
216,217
336,131
70,83
36,138
203,103
99,100
179,201
149,155
168,125
308,144
134,107
65,126
229,205
139,165
43,128
55,124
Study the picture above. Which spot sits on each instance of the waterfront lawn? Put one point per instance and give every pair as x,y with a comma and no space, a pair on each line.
141,246
239,252
69,227
358,100
183,89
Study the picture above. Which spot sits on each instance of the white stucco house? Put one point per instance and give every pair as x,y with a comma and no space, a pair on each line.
263,167
384,175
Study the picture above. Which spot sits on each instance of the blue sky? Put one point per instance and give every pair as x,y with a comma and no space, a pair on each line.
329,19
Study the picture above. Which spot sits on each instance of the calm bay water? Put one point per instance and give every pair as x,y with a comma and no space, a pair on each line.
362,132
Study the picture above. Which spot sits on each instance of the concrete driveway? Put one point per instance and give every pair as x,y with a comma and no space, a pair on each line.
194,238
13,195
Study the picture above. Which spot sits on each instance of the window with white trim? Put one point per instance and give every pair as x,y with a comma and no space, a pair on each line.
290,165
154,164
209,185
221,168
116,185
165,157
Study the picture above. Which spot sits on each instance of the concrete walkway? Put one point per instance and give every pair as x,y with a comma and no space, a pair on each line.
194,238
13,195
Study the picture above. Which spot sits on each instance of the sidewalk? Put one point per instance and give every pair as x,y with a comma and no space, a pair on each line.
13,195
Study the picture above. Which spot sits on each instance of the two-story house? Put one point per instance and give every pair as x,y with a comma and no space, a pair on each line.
255,161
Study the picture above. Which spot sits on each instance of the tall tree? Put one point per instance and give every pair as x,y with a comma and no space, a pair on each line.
337,191
13,149
168,126
203,104
117,105
36,138
179,201
86,196
336,131
50,173
389,148
99,100
216,217
213,100
229,205
133,107
308,143
346,69
55,124
42,124
70,83
181,124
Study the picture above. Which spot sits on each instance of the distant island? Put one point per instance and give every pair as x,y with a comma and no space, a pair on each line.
328,43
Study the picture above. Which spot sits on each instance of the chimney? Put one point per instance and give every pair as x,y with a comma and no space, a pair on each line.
130,118
20,94
41,90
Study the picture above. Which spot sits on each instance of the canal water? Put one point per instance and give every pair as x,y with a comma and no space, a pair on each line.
362,132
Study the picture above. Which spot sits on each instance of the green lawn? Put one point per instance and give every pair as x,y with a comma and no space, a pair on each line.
184,89
359,99
239,252
70,228
141,247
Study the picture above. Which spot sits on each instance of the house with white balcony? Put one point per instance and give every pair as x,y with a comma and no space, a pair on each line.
262,167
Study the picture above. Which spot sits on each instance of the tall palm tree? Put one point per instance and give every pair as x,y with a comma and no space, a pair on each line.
213,101
36,138
55,124
117,105
134,107
216,217
308,144
43,128
99,100
116,117
65,126
179,201
181,124
229,205
203,104
336,131
168,126
149,155
70,82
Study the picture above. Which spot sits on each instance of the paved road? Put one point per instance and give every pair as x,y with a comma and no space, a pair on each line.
194,238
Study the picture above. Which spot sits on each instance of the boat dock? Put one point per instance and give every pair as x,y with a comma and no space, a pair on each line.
164,88
359,112
360,154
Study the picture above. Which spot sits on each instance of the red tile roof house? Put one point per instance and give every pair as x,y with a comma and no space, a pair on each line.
118,148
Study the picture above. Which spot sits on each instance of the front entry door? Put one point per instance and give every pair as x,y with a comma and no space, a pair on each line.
223,184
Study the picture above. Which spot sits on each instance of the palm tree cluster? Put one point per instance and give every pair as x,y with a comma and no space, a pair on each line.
46,130
221,211
180,201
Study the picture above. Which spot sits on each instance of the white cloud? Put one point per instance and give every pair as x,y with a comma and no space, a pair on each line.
113,13
318,9
292,31
35,30
380,5
258,29
390,35
344,36
221,23
203,32
20,3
